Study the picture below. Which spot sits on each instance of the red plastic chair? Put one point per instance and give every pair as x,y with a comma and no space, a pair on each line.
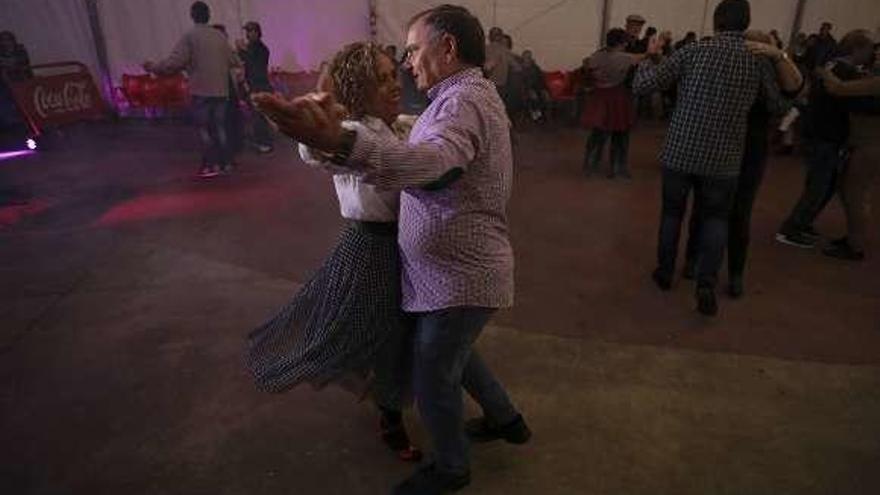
133,89
173,91
560,86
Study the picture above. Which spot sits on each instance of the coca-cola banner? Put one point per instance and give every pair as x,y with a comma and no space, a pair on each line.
58,99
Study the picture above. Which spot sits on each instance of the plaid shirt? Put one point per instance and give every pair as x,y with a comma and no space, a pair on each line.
718,81
454,244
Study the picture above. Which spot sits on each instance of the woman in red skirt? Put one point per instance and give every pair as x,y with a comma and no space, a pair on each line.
609,109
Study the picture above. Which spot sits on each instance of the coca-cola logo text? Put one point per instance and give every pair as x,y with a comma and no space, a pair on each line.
74,96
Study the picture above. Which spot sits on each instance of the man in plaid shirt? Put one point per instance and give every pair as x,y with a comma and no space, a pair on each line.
718,81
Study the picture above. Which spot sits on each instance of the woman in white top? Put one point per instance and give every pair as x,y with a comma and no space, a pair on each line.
346,322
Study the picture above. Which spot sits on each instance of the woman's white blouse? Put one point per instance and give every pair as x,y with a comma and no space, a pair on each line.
358,200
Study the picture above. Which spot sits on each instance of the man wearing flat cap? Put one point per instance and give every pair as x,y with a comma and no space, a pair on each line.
634,25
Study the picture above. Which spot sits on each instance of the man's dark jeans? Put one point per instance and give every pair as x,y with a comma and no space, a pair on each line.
444,362
713,198
751,175
262,130
824,160
210,114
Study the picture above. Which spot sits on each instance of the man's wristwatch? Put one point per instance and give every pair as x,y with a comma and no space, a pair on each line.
346,145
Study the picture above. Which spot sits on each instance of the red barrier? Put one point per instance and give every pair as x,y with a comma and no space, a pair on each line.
559,85
146,91
57,99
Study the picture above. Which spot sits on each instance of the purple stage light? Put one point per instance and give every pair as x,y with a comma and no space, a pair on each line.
7,155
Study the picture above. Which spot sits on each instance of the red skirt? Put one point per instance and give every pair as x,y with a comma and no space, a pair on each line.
609,109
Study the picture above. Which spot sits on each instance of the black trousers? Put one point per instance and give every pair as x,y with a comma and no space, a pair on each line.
596,148
824,160
713,198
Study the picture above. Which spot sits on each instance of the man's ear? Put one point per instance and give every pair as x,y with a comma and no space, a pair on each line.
450,47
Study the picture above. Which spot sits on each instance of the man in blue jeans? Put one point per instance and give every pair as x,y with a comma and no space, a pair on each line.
718,82
828,127
455,249
207,58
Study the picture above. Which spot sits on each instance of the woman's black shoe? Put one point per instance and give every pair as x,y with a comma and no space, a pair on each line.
394,435
429,480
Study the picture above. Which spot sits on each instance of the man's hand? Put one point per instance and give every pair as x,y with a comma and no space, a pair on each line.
314,119
765,50
149,66
241,45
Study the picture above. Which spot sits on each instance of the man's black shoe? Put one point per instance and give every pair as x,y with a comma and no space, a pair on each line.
735,287
482,430
662,281
689,271
429,480
844,252
706,303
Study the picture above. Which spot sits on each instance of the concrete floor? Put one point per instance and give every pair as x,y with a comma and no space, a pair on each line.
126,289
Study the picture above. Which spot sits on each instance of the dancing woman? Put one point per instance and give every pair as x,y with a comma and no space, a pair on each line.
347,321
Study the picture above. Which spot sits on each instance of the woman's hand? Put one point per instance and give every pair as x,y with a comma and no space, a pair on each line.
765,50
314,119
832,83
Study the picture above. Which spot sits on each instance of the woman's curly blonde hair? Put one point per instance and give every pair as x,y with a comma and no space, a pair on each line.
351,76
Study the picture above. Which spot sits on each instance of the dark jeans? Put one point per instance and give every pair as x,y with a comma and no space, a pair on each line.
444,362
234,126
210,115
261,128
739,224
619,151
713,198
824,160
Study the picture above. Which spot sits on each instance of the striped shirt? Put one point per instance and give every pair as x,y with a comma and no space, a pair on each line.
454,243
718,81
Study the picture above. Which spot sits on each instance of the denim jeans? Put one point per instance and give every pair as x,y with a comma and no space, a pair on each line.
824,160
739,224
444,363
262,131
210,115
713,199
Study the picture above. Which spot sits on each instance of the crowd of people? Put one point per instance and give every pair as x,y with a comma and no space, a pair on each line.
221,80
451,172
719,147
425,258
14,66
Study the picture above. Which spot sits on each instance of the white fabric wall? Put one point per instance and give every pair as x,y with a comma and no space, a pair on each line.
51,30
302,33
678,16
139,30
681,16
299,33
845,15
560,33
